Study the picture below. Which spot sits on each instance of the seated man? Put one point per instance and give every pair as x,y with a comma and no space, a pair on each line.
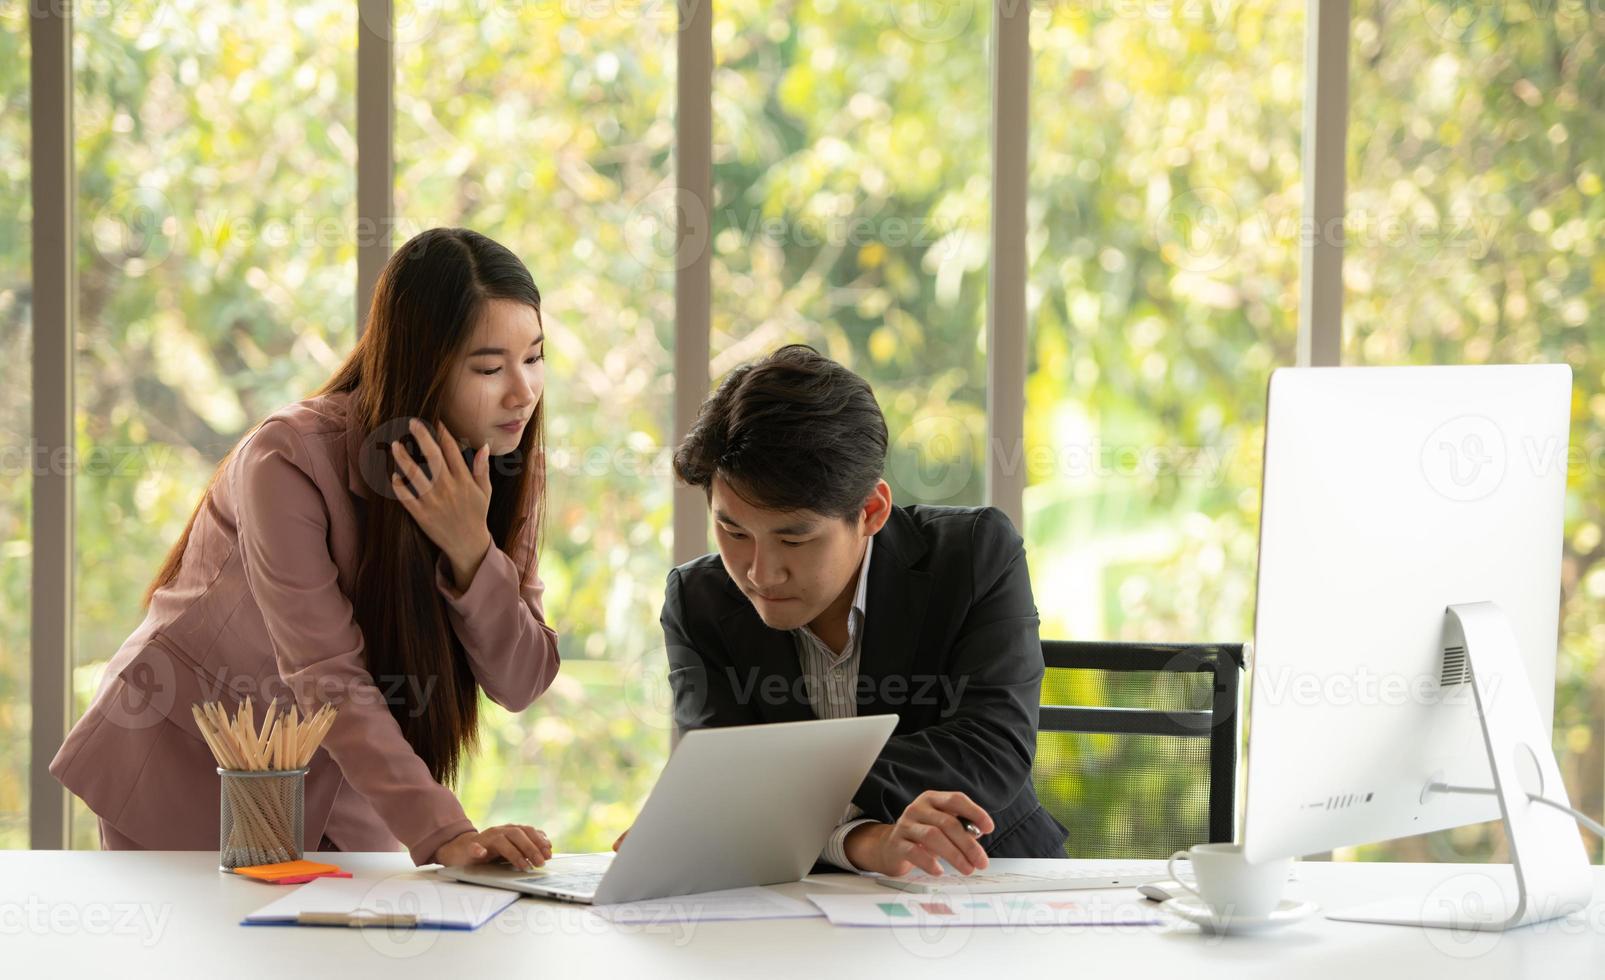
826,601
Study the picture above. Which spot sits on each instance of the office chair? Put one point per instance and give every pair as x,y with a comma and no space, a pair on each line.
1137,745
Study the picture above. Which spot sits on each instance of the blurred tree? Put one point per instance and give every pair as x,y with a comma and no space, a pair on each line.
1165,195
851,162
1475,223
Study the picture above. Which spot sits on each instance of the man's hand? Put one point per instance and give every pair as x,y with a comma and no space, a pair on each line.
932,827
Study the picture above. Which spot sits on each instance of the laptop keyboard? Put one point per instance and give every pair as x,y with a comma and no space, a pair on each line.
583,882
577,873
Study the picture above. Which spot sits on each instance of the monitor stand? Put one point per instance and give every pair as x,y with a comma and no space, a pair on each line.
1549,875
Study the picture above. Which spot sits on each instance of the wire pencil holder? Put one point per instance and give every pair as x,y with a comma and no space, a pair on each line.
261,818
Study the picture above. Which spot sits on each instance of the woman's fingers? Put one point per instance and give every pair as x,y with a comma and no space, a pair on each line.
541,840
404,493
504,848
409,469
482,468
505,844
428,446
524,841
520,845
454,458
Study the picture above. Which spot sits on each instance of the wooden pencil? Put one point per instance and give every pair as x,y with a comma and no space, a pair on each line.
277,759
267,731
316,731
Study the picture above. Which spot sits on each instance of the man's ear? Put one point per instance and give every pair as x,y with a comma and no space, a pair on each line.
877,508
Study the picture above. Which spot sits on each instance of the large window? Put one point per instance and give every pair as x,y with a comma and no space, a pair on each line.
16,463
1475,222
850,212
216,263
549,127
1163,288
1163,243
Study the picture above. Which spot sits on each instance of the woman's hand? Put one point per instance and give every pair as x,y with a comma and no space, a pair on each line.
451,503
518,844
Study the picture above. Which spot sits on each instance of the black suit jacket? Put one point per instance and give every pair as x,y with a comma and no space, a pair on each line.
950,646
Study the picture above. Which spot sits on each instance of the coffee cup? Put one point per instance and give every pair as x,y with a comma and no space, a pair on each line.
1229,883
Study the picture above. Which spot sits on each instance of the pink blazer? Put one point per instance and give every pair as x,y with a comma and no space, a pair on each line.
261,608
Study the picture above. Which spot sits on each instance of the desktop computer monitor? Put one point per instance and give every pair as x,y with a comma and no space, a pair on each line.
1406,621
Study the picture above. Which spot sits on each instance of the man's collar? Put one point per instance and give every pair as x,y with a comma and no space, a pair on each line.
857,612
861,597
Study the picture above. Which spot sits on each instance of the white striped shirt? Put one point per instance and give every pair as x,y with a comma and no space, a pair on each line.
830,680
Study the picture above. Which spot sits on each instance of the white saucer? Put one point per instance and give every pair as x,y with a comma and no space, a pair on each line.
1196,912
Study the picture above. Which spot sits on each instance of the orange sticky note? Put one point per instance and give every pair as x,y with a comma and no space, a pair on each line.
286,869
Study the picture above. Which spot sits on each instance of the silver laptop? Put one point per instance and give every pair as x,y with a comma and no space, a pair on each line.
748,805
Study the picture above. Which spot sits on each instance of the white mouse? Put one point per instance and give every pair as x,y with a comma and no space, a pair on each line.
1161,891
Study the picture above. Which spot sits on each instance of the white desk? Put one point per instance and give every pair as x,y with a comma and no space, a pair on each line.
172,914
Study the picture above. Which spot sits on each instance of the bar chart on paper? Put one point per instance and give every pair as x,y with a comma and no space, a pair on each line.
1038,909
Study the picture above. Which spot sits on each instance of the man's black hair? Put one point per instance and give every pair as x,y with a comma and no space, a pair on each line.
793,431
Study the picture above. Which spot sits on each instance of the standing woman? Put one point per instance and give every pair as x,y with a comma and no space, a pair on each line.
373,546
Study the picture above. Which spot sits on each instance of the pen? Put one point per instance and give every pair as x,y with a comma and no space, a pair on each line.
970,828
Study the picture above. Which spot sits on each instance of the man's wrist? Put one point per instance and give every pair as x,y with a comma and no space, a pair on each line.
863,845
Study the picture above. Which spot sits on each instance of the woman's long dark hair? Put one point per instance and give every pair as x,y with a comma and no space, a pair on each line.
425,306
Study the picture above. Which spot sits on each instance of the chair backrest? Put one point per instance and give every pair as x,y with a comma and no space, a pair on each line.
1137,745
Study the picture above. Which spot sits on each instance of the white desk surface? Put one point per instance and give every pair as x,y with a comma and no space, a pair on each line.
168,914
